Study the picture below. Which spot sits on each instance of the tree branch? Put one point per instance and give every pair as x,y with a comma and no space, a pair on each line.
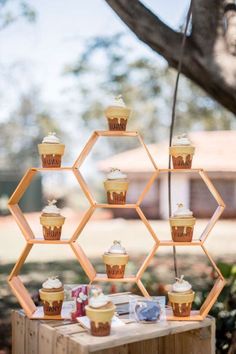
206,60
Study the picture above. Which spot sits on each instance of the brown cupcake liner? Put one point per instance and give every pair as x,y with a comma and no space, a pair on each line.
116,198
115,271
182,233
51,160
52,233
179,163
102,330
53,310
117,124
181,310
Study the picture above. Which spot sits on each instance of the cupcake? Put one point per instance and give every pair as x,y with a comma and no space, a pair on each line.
117,114
52,296
116,187
182,223
181,297
51,151
115,259
100,311
52,221
182,152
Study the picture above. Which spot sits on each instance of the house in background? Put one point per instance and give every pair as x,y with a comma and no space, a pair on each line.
215,153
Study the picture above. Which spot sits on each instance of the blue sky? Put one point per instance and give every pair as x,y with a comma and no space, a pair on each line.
44,48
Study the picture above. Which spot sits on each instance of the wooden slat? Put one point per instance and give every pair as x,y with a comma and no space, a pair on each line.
22,295
147,224
173,243
147,151
42,169
212,297
18,333
212,189
212,262
48,242
103,278
31,336
60,343
147,261
82,223
84,186
211,223
22,186
142,288
83,260
20,261
86,150
21,221
176,170
147,187
46,340
116,133
116,206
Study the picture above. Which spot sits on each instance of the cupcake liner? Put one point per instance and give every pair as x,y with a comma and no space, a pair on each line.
182,233
116,198
100,320
51,161
116,124
52,302
182,156
50,233
181,303
115,271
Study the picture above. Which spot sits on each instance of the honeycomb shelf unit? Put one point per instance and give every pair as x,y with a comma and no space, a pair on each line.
14,280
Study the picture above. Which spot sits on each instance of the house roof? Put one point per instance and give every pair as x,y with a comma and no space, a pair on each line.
215,151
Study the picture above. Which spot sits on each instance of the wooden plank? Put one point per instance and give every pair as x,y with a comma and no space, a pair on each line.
83,260
123,349
212,189
82,224
219,210
18,333
115,206
173,243
147,151
142,288
46,339
147,261
212,297
116,133
42,169
84,186
31,336
22,295
21,260
21,221
103,278
147,187
48,242
86,150
184,170
22,186
147,224
60,343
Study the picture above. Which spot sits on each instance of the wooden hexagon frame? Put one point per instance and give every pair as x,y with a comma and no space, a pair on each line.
14,280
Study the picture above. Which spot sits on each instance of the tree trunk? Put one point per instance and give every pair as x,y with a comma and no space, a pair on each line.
210,52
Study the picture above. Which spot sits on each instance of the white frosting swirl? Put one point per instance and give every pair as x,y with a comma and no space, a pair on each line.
181,285
182,211
117,248
115,173
51,208
52,283
118,102
181,140
51,138
98,299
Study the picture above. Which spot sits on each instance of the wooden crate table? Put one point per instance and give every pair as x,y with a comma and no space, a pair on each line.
65,337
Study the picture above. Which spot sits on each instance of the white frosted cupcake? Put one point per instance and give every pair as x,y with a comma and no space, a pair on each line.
115,259
182,152
52,221
181,297
52,296
182,224
116,186
100,311
51,151
117,114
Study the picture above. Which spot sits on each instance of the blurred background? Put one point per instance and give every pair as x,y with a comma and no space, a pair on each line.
61,64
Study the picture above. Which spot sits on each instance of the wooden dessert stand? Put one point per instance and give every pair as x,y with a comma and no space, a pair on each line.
17,285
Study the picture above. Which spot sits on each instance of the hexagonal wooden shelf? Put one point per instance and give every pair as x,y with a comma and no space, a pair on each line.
18,287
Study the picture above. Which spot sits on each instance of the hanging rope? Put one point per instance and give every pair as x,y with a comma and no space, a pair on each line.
173,116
